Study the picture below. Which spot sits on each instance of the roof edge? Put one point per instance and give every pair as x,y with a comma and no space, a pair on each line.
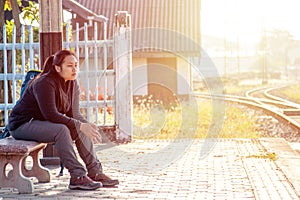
83,11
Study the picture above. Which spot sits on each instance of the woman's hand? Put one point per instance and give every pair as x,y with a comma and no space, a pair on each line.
91,130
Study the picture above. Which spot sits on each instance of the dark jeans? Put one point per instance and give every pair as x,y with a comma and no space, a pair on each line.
62,137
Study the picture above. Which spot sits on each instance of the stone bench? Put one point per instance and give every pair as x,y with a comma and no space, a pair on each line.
14,152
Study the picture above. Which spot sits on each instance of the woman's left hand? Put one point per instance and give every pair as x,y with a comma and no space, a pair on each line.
91,130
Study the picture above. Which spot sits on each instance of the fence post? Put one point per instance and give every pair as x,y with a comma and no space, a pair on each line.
123,79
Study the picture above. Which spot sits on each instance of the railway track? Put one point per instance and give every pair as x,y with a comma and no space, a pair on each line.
260,98
290,110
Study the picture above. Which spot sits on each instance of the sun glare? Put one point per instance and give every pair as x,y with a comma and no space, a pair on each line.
246,20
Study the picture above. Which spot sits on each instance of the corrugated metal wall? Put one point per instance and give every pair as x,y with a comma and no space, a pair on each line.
182,17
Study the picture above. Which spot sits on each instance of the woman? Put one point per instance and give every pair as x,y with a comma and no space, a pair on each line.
49,112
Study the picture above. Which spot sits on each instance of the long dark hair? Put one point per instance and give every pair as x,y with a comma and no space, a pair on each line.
51,61
49,69
56,59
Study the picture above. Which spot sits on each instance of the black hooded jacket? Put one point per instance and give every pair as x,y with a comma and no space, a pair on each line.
42,101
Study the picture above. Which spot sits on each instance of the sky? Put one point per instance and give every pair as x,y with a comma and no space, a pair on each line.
246,20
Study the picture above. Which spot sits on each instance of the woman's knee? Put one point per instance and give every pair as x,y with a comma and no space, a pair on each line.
63,132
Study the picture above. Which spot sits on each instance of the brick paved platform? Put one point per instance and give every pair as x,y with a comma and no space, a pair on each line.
262,168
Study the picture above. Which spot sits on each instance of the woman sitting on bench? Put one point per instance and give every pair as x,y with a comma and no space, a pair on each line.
49,112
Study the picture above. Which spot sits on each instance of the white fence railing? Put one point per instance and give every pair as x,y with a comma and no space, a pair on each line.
96,80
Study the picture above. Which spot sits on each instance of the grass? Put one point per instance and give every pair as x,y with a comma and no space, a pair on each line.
290,92
153,120
232,87
238,89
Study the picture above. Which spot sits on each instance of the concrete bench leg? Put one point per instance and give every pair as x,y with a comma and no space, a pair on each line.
38,171
14,178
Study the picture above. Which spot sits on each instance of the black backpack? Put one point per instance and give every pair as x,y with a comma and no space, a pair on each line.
31,74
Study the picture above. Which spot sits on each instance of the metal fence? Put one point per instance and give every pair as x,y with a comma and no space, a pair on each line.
95,77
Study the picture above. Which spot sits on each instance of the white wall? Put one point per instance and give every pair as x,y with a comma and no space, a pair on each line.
139,76
183,76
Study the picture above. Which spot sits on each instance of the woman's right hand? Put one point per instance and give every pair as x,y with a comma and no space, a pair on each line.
91,130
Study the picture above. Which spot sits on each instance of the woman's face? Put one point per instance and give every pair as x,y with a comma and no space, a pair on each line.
69,68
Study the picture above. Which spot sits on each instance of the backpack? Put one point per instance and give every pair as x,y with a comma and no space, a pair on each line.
31,74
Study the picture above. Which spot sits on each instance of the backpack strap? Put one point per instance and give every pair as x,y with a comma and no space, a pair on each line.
4,133
31,74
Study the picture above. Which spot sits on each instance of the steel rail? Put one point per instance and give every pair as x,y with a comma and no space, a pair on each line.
255,104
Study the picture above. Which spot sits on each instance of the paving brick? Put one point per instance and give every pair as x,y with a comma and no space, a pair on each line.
186,169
